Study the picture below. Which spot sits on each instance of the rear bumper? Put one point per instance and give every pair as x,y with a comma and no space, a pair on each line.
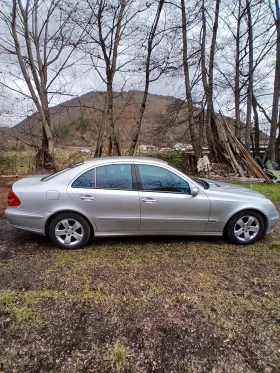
27,220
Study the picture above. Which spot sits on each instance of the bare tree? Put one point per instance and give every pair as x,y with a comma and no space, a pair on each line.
250,76
237,72
196,137
207,72
150,48
110,46
41,41
246,70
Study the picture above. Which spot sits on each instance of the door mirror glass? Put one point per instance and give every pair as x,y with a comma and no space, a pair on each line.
195,191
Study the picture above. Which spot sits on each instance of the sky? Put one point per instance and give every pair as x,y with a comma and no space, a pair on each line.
82,79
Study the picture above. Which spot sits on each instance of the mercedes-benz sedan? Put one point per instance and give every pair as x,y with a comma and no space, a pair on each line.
135,196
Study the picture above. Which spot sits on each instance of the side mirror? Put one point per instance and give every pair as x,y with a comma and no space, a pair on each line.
195,191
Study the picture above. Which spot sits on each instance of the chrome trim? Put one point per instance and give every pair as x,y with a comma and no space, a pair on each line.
30,216
117,218
171,220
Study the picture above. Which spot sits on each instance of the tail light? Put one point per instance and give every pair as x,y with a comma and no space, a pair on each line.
13,199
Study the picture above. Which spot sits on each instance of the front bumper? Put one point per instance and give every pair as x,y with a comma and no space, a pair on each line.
272,220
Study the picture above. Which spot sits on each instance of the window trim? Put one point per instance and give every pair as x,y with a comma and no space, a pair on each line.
133,177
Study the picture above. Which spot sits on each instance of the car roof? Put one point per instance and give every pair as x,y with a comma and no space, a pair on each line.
124,158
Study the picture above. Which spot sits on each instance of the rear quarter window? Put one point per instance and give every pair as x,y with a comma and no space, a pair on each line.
86,180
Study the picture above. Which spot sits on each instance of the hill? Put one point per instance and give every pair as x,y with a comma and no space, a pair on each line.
77,121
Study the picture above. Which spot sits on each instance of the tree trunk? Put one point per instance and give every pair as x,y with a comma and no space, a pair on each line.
196,141
277,145
273,150
113,138
208,83
237,77
250,78
257,127
101,130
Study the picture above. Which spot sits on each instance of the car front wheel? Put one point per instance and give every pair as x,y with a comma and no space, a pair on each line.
69,231
245,227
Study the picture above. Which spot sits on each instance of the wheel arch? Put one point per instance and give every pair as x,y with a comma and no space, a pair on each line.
54,215
248,209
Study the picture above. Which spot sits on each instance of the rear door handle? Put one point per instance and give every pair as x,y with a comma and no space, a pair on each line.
148,200
86,197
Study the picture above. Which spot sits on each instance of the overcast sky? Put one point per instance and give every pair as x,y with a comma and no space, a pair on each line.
14,108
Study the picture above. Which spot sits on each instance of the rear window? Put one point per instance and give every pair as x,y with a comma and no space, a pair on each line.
48,177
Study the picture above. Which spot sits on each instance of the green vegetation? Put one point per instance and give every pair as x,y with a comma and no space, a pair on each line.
174,158
7,297
64,129
118,355
24,314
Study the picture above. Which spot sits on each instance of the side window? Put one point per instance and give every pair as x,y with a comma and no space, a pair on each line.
161,180
115,176
86,180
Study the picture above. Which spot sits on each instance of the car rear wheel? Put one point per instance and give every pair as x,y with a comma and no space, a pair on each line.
245,227
69,231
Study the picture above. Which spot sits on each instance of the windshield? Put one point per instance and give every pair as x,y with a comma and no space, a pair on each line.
48,177
201,182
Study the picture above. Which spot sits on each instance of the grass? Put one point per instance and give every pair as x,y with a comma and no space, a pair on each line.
118,356
178,304
21,162
7,297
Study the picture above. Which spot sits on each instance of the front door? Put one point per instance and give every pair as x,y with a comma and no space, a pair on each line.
167,204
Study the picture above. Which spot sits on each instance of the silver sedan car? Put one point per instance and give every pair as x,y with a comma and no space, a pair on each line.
135,196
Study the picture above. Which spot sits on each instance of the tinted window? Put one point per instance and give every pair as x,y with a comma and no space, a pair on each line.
115,176
162,180
85,181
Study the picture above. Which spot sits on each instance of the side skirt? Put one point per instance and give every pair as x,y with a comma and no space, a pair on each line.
156,233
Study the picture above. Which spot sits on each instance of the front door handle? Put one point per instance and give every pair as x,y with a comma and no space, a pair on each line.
148,200
86,197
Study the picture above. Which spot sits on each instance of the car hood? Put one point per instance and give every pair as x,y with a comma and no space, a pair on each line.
231,188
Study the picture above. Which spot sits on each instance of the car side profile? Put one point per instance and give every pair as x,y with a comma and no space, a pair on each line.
135,196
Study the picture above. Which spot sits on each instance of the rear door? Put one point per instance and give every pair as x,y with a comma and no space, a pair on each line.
167,204
108,193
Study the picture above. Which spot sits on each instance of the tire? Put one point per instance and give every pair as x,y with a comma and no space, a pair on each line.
245,228
69,231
